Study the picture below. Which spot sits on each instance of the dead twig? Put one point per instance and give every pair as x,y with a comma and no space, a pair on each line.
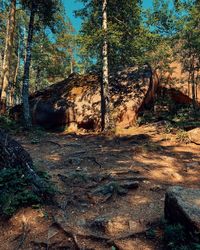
22,237
53,142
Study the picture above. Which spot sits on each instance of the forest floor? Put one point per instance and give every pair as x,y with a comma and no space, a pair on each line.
99,205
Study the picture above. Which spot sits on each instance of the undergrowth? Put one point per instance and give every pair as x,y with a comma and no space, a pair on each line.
173,236
180,117
8,124
16,191
182,137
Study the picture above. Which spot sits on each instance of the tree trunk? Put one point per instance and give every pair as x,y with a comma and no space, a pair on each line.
37,78
27,64
14,86
193,85
8,55
105,105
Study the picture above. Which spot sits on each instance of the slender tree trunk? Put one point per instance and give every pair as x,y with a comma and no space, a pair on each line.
27,64
71,61
37,79
105,105
14,87
1,65
193,91
8,55
193,85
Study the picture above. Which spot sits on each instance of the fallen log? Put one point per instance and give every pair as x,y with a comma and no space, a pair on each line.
13,155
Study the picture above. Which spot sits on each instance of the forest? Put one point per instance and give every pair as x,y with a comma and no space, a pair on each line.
100,124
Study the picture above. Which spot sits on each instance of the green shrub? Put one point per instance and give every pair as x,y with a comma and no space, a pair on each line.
182,137
176,237
16,191
7,123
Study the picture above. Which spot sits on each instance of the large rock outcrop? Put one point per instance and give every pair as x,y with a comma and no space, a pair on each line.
76,101
176,83
182,205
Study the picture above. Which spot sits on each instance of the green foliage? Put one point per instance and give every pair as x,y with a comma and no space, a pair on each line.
53,48
172,236
182,137
124,32
7,123
176,237
112,188
78,177
36,135
16,190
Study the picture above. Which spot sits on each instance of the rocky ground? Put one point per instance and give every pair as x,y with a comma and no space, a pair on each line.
111,189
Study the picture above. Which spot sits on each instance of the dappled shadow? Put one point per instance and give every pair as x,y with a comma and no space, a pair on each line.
80,164
159,160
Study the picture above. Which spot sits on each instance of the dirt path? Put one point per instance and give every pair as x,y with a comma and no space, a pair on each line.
99,206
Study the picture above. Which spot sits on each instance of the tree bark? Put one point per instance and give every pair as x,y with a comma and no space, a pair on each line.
8,55
105,105
37,78
14,86
193,84
27,64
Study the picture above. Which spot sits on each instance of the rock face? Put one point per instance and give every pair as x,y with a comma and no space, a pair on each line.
76,101
176,84
182,205
194,135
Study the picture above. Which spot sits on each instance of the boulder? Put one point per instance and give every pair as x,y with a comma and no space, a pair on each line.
194,135
182,205
76,101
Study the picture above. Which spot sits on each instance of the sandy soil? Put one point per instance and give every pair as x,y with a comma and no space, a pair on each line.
83,166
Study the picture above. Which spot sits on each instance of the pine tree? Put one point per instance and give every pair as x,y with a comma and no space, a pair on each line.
124,19
8,54
45,11
105,100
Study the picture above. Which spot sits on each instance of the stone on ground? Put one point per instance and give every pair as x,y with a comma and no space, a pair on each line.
194,135
182,205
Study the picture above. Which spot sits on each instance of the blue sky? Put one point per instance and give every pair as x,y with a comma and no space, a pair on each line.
72,5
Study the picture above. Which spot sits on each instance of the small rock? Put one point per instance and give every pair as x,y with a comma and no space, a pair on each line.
117,226
100,223
130,184
156,188
81,222
151,205
192,164
75,161
194,135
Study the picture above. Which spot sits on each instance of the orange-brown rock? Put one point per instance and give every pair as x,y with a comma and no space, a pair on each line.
176,80
76,101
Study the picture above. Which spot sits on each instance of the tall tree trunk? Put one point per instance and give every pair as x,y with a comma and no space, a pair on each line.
14,86
8,55
193,84
27,64
71,60
105,105
37,78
